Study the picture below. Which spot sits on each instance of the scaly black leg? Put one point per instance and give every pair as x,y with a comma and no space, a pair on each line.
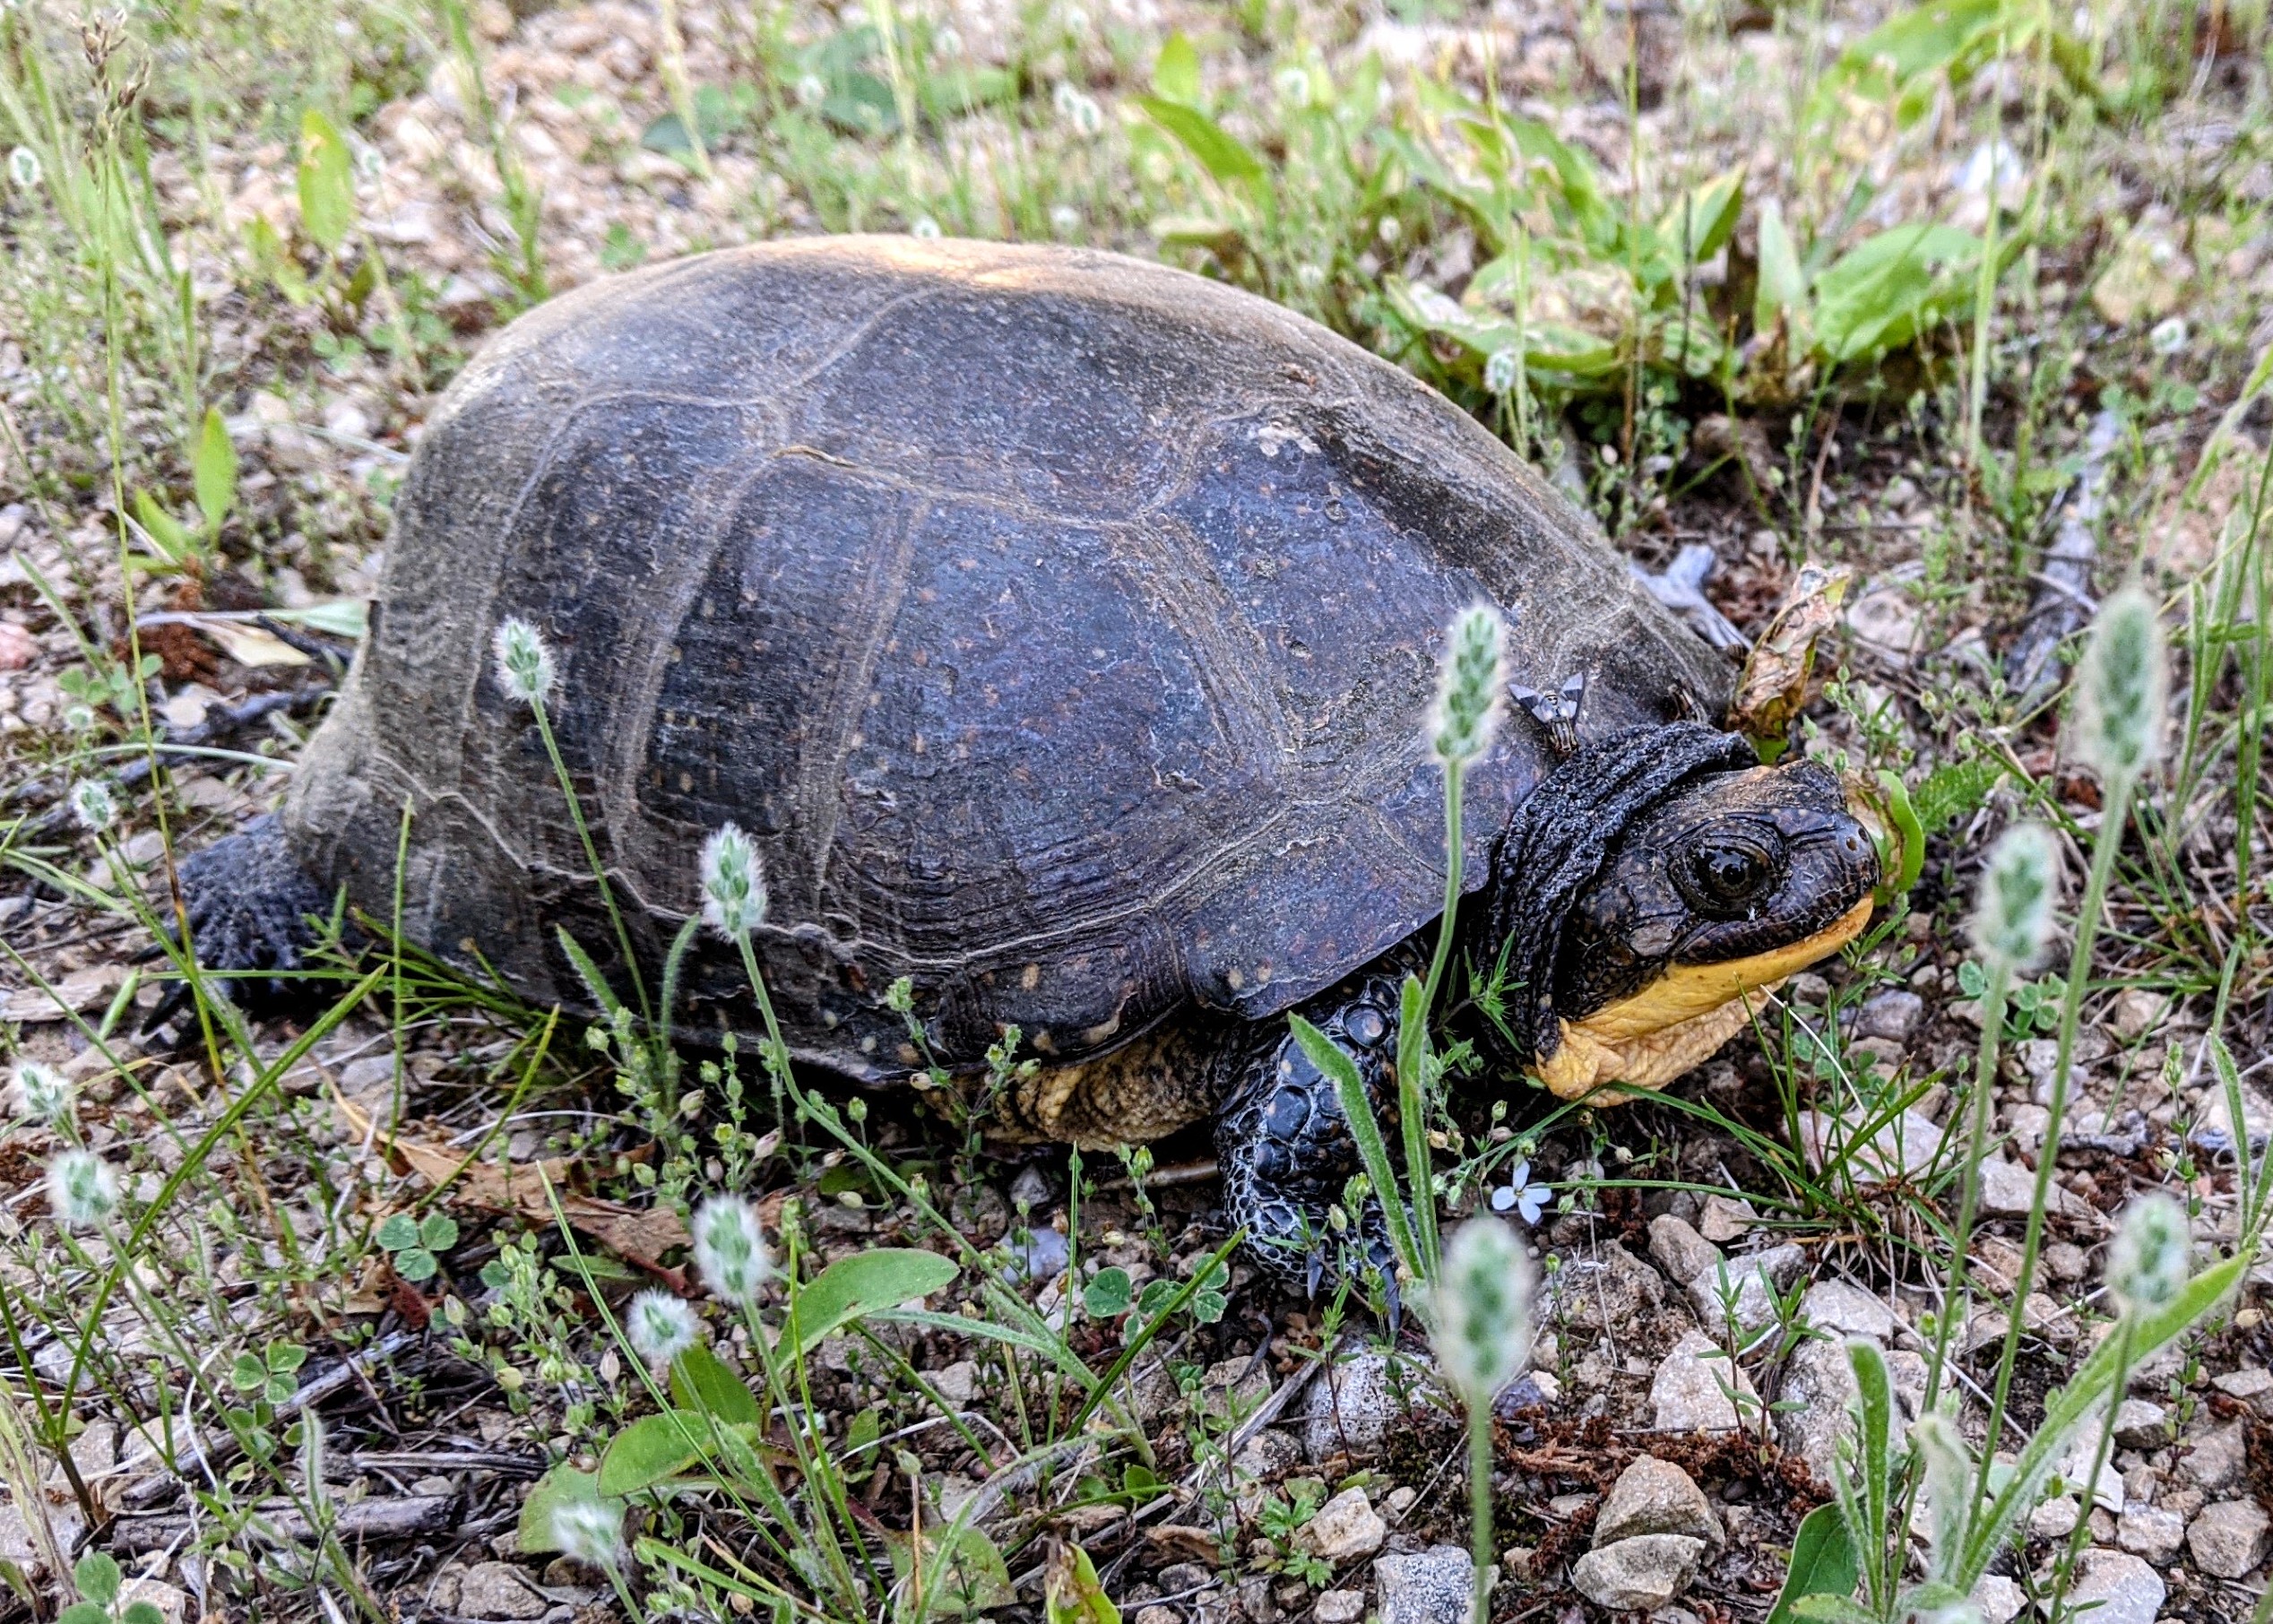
249,903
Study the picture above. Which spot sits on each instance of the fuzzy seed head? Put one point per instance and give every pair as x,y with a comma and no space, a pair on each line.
23,168
1500,371
2122,688
40,1094
82,1191
92,805
924,228
733,883
525,663
2012,917
2147,1264
1468,687
661,1327
590,1531
1078,109
730,1250
1481,1309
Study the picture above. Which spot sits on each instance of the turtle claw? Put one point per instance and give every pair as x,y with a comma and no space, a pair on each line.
1558,713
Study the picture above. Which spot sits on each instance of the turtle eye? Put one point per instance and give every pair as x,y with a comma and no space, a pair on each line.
1365,1026
1725,874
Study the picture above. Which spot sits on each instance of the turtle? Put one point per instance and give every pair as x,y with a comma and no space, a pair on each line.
1059,628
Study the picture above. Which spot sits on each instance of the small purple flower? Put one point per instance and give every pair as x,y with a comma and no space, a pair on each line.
1521,1196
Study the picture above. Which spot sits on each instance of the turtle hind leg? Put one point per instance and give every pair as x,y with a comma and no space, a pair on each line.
249,903
1286,1152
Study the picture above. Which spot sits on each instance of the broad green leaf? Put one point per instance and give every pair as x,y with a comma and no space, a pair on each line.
862,1284
1176,71
340,617
1823,1563
1702,219
1883,292
326,183
439,1232
963,1572
703,1382
652,1448
213,471
142,1612
167,534
98,1577
1071,1593
1220,152
83,1612
1950,792
560,1486
1782,290
1108,1294
400,1233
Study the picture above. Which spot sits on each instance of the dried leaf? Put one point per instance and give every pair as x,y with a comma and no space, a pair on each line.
1774,687
248,645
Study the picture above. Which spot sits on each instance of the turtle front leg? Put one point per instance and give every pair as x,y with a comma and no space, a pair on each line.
249,902
1285,1148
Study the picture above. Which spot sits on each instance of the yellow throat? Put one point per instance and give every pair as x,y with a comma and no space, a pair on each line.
1670,1026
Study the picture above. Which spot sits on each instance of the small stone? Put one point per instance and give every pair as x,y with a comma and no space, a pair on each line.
1030,1189
1655,1497
1846,1310
1819,1383
1269,1455
1431,1587
2055,1519
499,1590
2146,1531
1607,1292
1721,1220
958,1383
2008,1190
1351,1408
1743,1289
1689,1392
1640,1574
2128,1591
2248,1384
2217,1459
1157,1614
2141,1424
2136,1012
1999,1598
1905,1147
1234,1389
2065,1262
2037,1057
1892,1013
1339,1607
1680,1250
1345,1528
2229,1540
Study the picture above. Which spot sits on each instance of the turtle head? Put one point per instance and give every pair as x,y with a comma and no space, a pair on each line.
1728,882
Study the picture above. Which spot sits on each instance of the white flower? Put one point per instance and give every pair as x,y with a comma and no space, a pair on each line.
2169,336
590,1531
730,1250
1064,220
1480,1309
1500,371
92,806
812,90
524,664
1469,687
23,168
660,1327
39,1093
1293,84
1520,1193
733,883
1310,274
82,1191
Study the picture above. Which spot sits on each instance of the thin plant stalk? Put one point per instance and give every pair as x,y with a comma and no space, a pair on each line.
1957,1303
539,708
1480,1511
2113,817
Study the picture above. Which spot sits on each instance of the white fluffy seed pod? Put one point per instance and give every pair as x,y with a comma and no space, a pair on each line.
660,1328
1480,1309
1469,685
2012,915
83,1189
525,668
38,1094
2147,1261
2122,688
730,1250
590,1531
733,883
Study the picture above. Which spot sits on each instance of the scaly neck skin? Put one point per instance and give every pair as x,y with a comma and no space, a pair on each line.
1663,1032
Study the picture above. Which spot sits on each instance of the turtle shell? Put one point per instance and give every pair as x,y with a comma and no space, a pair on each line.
1060,626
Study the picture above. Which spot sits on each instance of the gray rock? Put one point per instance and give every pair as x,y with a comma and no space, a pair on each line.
1819,1383
2128,1591
2008,1190
1640,1574
1655,1497
2154,1534
1345,1528
1743,1287
1892,1013
1846,1310
499,1590
1901,1148
1267,1454
1609,1292
1235,1388
1723,1219
1683,1253
1999,1598
1689,1392
957,1383
2217,1459
2229,1540
1431,1587
1030,1189
1339,1607
2055,1519
2141,1424
1351,1408
2244,1384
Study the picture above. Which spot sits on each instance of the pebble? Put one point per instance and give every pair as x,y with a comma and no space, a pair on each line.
1999,1598
1722,1219
2217,1458
957,1383
1846,1310
1030,1189
1608,1292
1905,1147
2128,1591
1752,1280
2146,1531
2136,1012
1819,1383
1232,1388
2140,1423
2244,1384
1892,1013
1680,1250
1339,1607
1351,1407
2229,1540
1636,1575
1656,1496
2055,1519
1689,1393
1345,1528
499,1590
1431,1587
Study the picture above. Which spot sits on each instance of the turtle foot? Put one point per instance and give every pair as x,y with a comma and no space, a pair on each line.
249,903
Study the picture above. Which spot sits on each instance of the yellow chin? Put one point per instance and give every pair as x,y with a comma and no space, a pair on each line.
1670,1026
